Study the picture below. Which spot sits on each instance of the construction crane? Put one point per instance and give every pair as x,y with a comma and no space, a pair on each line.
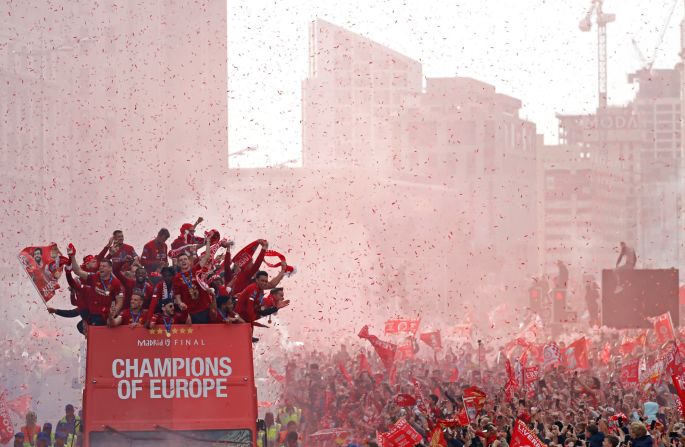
646,67
585,25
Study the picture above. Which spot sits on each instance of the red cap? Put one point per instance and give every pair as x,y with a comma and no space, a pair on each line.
186,227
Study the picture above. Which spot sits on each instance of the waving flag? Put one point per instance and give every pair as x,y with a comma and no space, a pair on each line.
576,355
44,265
663,326
630,371
551,354
385,350
524,437
402,325
432,339
679,384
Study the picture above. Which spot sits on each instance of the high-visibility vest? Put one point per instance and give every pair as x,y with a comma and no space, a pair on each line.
286,417
271,435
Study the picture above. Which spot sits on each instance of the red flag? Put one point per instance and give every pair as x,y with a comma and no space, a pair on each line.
470,409
576,355
437,438
386,351
475,395
401,434
454,376
364,364
670,357
531,374
398,325
432,339
6,430
344,373
523,437
679,384
663,326
459,420
405,400
511,376
279,378
630,371
405,350
44,265
628,345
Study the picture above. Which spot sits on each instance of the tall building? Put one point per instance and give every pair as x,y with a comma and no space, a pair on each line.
462,133
657,107
581,202
351,99
453,141
113,116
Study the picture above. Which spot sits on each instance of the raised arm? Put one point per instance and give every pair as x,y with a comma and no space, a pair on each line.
228,272
277,279
205,256
100,256
77,268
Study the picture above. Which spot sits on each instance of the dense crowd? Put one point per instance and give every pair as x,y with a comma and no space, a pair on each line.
585,402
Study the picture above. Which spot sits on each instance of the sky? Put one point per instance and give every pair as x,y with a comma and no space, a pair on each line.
529,49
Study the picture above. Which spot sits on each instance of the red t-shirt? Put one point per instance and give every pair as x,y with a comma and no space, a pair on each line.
244,277
179,318
102,293
132,287
180,286
154,255
249,302
127,318
119,258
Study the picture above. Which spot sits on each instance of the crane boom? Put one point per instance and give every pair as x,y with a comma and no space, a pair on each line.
585,25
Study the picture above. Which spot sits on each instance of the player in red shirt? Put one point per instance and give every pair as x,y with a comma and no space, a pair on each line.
187,236
133,316
119,251
251,300
105,289
139,286
188,294
154,255
168,317
246,275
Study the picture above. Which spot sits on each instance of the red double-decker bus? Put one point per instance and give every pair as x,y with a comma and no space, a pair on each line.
192,386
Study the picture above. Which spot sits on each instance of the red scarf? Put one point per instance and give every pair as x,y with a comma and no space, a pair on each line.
274,254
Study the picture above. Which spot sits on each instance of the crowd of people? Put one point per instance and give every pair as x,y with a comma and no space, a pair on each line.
190,283
67,431
566,403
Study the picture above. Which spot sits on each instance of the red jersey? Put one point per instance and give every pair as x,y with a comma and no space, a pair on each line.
244,277
103,292
182,241
154,255
119,257
178,318
182,285
249,302
127,317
